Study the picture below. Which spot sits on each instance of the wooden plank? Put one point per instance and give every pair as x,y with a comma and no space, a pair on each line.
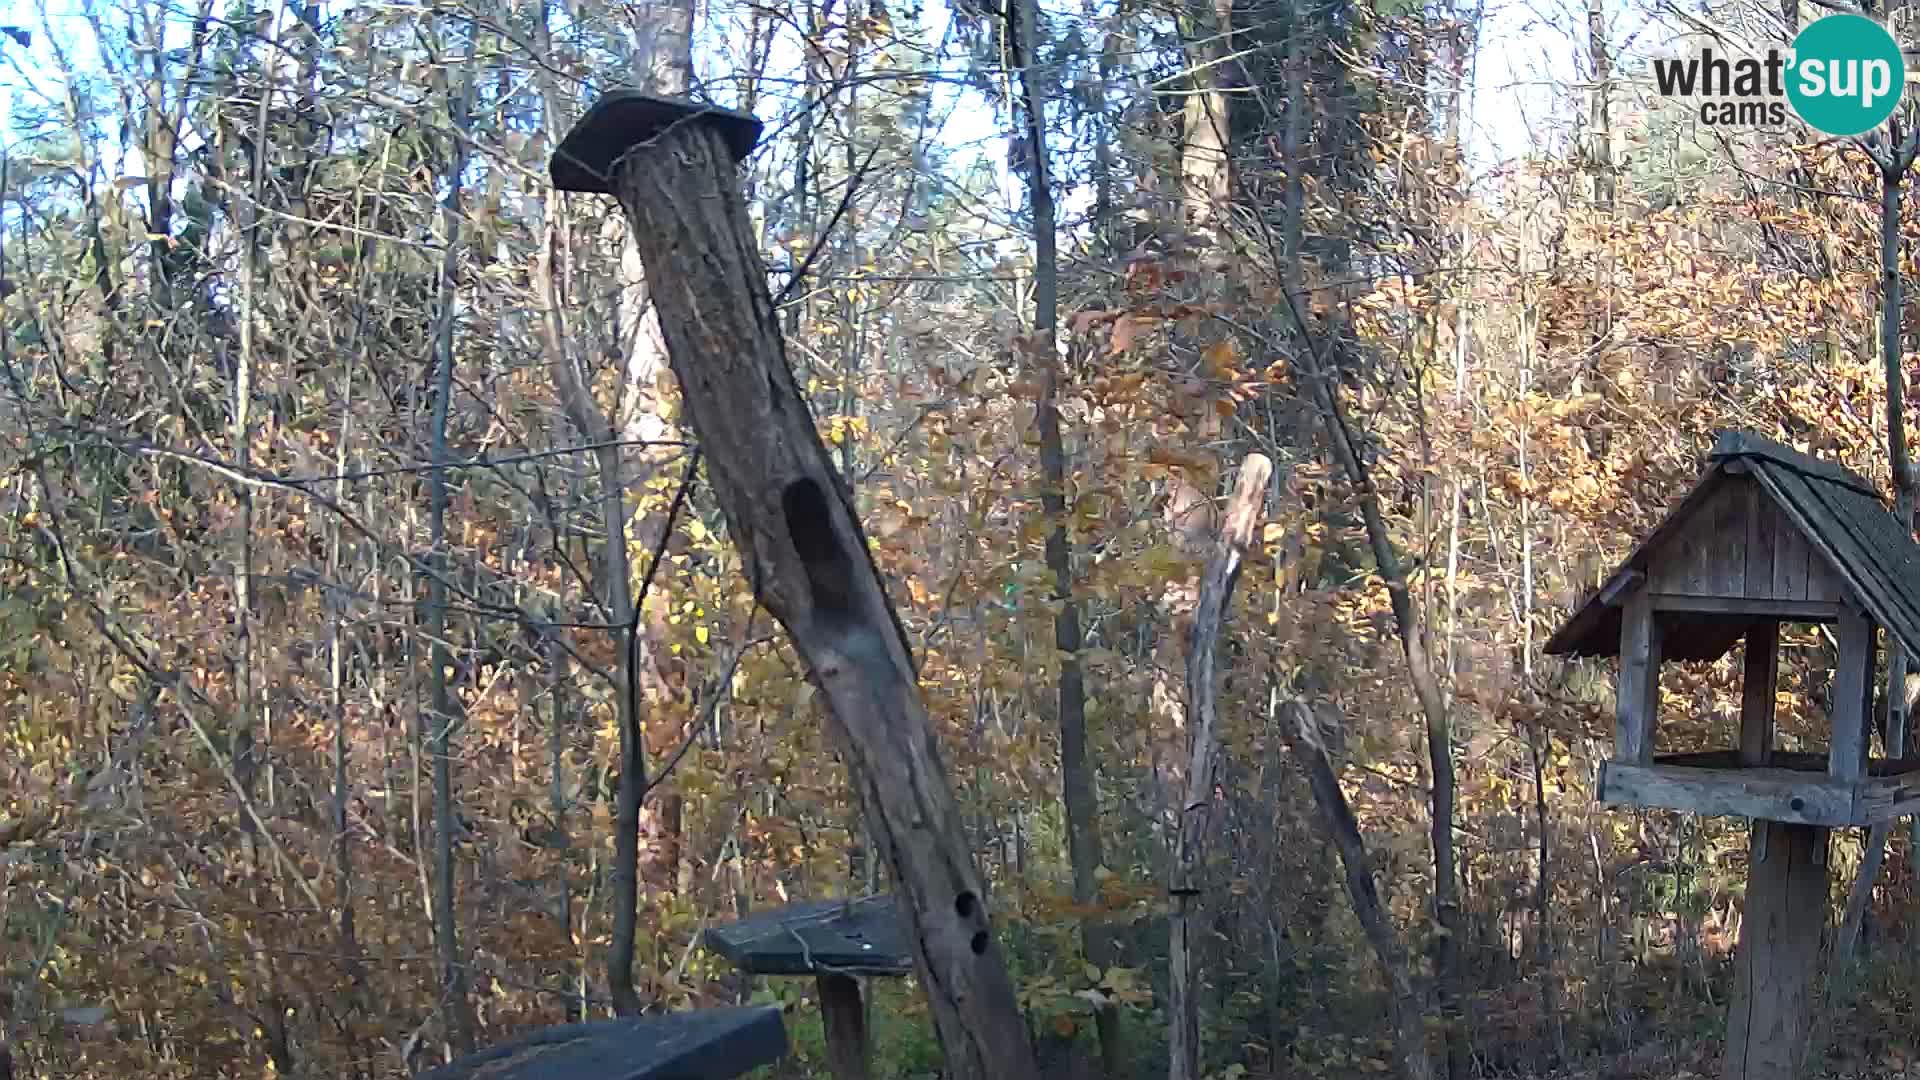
1884,798
1757,686
1770,1012
1764,607
1760,541
1789,562
845,1021
717,1043
1772,794
1705,759
1823,583
1852,695
1729,554
1638,698
1575,635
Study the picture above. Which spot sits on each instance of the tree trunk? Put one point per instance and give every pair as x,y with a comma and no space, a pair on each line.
790,514
1079,797
1205,128
1216,592
1297,727
1893,178
1408,620
453,972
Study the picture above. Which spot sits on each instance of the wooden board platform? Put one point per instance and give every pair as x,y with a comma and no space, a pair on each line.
858,937
1793,788
703,1044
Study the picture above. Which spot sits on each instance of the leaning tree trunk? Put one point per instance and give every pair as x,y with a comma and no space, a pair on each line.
791,516
1216,590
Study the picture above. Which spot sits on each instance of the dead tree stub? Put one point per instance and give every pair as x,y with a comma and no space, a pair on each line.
672,164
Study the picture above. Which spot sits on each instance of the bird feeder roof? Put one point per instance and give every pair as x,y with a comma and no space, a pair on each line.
1838,516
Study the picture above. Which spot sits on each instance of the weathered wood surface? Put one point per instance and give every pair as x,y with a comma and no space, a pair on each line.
1736,543
790,514
844,1017
1637,703
1770,1010
1797,760
1759,681
1715,785
1764,523
857,937
1852,707
704,1044
1216,592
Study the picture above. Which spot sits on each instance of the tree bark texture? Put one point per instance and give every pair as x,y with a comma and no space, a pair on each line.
1079,798
1216,591
790,514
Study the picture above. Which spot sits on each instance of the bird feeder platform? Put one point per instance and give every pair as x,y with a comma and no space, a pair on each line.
703,1044
835,941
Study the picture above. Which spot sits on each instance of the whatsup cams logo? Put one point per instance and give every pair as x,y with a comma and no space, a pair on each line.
1843,76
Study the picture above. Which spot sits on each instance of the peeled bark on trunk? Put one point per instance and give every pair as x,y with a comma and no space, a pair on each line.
1206,131
1216,591
790,514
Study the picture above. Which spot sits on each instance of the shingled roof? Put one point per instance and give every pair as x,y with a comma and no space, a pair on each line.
1840,515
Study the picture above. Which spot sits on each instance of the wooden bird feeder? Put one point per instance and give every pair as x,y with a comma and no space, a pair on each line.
835,941
1767,536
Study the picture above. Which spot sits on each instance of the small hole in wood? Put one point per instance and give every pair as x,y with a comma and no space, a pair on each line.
980,943
1797,803
963,905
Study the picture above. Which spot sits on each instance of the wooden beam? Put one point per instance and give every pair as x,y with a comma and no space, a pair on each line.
1639,687
1770,1011
1819,611
1620,584
845,1020
1852,695
1775,794
792,519
1757,690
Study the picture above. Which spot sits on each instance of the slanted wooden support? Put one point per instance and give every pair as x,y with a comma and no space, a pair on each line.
1770,1010
1852,710
1639,687
791,516
1756,692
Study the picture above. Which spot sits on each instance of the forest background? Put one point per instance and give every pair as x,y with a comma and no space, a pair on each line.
335,446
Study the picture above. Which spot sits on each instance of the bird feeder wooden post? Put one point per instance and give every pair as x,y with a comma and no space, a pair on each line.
838,942
1767,536
673,165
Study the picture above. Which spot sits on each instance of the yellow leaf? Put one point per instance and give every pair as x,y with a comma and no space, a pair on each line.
700,634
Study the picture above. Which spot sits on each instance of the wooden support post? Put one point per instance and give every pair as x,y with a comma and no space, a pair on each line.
1770,1012
1639,689
1756,692
791,517
1852,695
845,1021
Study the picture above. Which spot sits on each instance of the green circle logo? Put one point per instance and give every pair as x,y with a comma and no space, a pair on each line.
1847,74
